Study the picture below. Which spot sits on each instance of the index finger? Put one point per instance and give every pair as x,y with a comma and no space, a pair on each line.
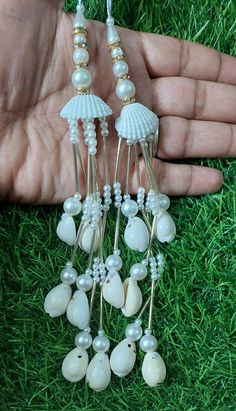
167,56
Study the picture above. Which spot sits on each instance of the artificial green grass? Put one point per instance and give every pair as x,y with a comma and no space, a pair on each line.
194,316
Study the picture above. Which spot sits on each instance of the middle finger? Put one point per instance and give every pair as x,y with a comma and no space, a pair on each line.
194,99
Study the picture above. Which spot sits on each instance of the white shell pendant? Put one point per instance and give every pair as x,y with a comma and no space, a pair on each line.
123,358
136,234
98,373
165,228
66,230
57,300
136,121
75,365
153,369
133,297
85,107
78,310
86,239
112,290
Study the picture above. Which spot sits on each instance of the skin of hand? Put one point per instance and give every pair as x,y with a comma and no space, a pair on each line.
191,87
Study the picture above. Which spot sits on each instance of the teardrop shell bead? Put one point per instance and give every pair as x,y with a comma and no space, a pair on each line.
153,369
133,297
136,235
86,239
57,300
75,365
113,291
165,228
66,230
123,358
78,310
98,373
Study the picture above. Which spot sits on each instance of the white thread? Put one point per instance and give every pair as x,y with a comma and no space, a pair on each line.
109,7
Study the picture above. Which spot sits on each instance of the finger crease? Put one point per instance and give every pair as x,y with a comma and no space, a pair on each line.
187,139
230,143
220,66
184,56
199,103
190,180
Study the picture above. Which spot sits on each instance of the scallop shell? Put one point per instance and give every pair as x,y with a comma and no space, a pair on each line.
98,373
112,290
153,369
85,107
66,230
57,300
86,239
75,365
78,310
165,228
136,234
133,297
123,358
136,122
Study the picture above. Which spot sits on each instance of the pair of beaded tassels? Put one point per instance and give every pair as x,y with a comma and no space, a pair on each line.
137,130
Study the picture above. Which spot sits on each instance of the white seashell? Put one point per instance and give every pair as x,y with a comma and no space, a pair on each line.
133,297
78,310
85,107
75,365
86,239
136,234
165,228
66,230
136,122
153,369
57,300
98,373
123,358
112,290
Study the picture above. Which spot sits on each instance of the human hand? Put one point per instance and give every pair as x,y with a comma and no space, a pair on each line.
192,88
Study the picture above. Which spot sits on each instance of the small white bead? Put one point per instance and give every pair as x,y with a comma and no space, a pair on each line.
129,208
113,262
101,343
125,89
72,206
138,271
68,276
84,282
81,78
148,343
83,340
80,56
120,68
116,52
164,202
133,332
79,39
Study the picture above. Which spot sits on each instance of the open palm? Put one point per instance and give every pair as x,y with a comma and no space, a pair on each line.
192,88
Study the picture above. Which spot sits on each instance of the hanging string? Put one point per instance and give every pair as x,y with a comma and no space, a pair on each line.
109,7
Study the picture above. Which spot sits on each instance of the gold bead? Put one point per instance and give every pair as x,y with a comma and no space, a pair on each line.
83,91
128,101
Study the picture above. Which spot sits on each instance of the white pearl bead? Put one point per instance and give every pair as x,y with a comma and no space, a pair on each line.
138,271
113,262
129,208
83,340
72,206
68,276
84,282
79,39
125,89
81,78
133,332
116,52
80,55
164,202
120,68
101,343
148,343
